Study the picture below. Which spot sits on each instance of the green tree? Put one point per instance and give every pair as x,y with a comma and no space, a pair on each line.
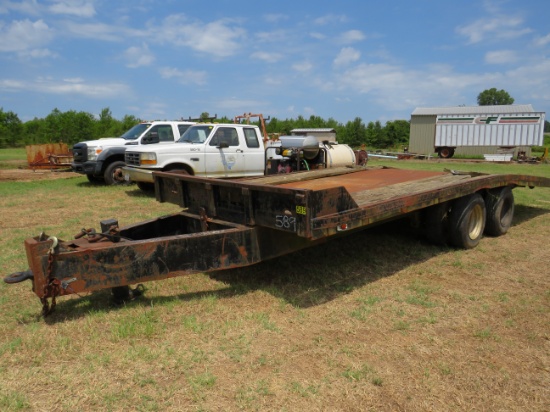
105,124
397,133
11,129
353,133
493,96
375,135
69,127
33,131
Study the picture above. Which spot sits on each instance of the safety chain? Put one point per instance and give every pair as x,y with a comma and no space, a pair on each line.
52,286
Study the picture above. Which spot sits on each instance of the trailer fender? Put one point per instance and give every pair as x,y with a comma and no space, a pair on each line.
435,223
467,221
500,210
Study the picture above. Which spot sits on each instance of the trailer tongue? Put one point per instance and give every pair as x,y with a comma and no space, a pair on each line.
234,223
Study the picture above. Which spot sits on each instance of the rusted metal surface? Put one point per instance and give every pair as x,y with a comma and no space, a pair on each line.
364,180
171,246
314,205
48,156
150,251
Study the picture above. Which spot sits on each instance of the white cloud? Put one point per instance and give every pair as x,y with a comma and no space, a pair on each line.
138,56
501,57
219,38
394,87
274,36
317,35
23,35
542,41
275,17
30,7
501,27
346,56
98,31
79,8
330,18
267,57
183,77
37,54
302,66
351,36
73,86
153,110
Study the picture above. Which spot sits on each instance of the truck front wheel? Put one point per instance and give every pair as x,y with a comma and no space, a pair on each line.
500,210
467,221
113,173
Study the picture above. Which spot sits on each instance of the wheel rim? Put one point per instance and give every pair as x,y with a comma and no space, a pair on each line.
118,176
475,222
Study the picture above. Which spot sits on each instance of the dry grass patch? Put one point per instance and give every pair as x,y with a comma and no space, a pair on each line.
377,321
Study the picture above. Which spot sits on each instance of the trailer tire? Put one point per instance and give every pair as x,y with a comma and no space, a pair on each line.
113,173
467,221
446,152
500,211
435,222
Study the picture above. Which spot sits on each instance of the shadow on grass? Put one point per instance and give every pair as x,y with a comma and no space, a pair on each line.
306,278
303,279
524,213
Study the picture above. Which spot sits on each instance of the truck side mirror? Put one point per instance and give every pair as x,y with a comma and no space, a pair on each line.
151,138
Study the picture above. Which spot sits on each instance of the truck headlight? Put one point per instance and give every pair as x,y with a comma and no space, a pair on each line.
94,151
147,158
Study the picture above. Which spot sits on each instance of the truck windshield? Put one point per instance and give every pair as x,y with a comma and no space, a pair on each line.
196,134
136,131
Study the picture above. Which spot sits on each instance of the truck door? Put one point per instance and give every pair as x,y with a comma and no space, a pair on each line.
225,153
164,132
255,155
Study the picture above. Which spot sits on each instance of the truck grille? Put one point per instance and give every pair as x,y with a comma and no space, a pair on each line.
131,158
80,152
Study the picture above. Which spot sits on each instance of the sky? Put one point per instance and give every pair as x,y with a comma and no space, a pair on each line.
164,60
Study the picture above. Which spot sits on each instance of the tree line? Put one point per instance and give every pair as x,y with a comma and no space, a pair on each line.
71,127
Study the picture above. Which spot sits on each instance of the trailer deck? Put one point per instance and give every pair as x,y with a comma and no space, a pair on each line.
235,223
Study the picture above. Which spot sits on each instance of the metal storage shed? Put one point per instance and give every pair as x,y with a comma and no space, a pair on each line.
476,130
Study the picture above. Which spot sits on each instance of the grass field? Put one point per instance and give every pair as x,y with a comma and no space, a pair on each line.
378,321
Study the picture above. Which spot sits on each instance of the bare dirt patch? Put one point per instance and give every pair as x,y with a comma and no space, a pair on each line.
28,175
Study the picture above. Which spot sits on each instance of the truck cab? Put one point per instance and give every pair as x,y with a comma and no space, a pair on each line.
207,149
102,160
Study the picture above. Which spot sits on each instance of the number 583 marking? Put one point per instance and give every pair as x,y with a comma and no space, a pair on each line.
285,222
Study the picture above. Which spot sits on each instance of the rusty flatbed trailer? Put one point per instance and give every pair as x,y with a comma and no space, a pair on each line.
235,223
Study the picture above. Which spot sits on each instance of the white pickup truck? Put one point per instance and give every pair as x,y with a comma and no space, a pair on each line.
102,160
232,150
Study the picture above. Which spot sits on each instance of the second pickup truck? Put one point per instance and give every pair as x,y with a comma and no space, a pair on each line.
232,150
